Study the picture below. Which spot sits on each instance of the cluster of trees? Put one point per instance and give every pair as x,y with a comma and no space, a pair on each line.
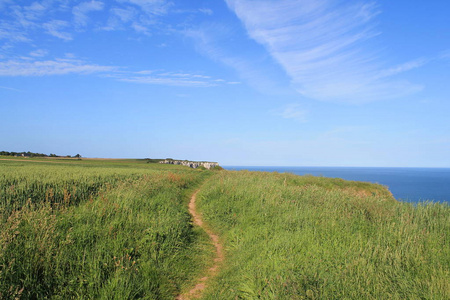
32,154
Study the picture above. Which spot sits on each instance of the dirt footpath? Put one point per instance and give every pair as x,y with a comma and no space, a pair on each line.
197,290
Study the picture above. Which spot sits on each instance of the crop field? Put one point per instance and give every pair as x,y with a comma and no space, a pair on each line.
304,237
97,229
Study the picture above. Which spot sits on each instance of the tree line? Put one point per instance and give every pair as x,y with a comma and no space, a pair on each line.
33,154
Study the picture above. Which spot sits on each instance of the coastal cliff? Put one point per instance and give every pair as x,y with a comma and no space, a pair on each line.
191,164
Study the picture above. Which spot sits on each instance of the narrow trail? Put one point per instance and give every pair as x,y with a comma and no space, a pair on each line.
197,290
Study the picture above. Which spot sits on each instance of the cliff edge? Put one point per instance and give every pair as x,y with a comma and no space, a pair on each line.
191,164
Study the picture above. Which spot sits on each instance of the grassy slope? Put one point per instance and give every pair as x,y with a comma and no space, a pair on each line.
97,229
292,237
120,229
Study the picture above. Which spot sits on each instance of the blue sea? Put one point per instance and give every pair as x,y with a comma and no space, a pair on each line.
406,184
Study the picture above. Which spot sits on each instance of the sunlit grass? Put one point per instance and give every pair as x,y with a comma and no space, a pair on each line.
120,229
303,237
112,230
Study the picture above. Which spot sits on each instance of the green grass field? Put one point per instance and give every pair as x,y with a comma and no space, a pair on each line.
97,229
120,229
304,237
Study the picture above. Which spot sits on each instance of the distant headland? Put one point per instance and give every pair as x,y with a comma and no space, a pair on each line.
192,164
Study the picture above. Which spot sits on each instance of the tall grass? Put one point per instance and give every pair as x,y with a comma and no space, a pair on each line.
121,230
97,230
292,237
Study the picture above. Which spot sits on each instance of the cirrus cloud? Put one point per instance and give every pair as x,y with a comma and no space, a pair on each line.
80,11
50,67
30,67
323,47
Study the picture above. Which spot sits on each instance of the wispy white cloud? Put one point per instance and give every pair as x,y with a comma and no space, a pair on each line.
124,14
403,68
21,17
50,67
217,41
39,53
35,10
64,18
172,79
168,81
152,7
31,66
56,28
81,11
141,27
322,46
12,33
206,11
145,72
139,15
119,17
19,22
70,55
10,89
292,111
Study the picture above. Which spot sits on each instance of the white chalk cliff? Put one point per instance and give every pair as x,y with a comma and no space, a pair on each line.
191,164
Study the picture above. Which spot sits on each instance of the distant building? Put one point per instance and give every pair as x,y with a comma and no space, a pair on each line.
23,155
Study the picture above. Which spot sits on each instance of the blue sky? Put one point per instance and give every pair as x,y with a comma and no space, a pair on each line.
241,82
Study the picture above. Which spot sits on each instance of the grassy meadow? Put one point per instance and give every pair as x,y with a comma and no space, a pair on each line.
120,229
304,237
97,229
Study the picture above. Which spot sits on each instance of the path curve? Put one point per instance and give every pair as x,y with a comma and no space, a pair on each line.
197,290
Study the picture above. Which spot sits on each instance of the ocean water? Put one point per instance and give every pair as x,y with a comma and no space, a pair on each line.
406,184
